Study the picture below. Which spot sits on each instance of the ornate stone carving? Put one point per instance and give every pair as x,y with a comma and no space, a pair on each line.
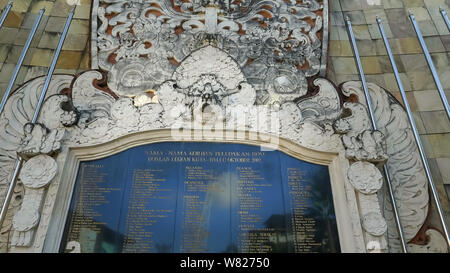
36,173
365,177
69,118
74,247
374,223
436,243
40,140
19,111
361,143
404,164
276,43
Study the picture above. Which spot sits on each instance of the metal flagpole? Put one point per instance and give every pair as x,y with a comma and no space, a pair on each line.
53,65
5,13
430,64
20,61
444,15
414,129
374,125
35,116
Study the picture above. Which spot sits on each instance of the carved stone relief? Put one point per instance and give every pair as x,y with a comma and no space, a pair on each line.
141,43
102,118
36,173
18,135
405,167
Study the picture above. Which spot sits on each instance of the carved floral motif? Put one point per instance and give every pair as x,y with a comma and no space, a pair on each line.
365,177
38,171
276,43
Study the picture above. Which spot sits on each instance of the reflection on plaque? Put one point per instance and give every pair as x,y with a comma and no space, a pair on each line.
202,197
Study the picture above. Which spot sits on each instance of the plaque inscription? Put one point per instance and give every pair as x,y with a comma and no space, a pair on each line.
202,197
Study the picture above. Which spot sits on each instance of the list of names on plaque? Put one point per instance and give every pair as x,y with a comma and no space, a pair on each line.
87,221
303,226
249,187
202,197
140,216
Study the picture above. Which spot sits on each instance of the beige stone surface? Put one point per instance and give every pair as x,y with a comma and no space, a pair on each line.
19,6
440,144
371,65
340,48
42,57
21,18
69,59
14,19
444,167
428,100
421,80
435,122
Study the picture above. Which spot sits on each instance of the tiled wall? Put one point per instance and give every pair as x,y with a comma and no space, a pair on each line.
74,56
429,114
430,117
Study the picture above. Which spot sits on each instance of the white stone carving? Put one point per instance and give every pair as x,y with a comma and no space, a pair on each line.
374,223
19,111
36,173
436,243
404,164
365,177
361,143
307,121
140,43
73,247
40,140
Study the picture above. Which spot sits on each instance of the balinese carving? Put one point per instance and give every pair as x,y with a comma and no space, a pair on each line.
36,173
404,164
306,120
436,243
19,111
69,118
276,43
365,177
374,223
73,247
361,143
40,140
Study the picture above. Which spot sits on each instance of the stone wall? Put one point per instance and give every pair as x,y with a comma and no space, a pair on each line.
14,33
430,117
424,99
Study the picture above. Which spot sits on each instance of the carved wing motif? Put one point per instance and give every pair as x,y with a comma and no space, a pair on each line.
404,164
18,111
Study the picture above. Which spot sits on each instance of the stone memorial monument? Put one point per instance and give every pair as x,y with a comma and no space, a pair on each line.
210,126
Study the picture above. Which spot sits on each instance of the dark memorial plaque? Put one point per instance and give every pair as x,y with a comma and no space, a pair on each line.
202,197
